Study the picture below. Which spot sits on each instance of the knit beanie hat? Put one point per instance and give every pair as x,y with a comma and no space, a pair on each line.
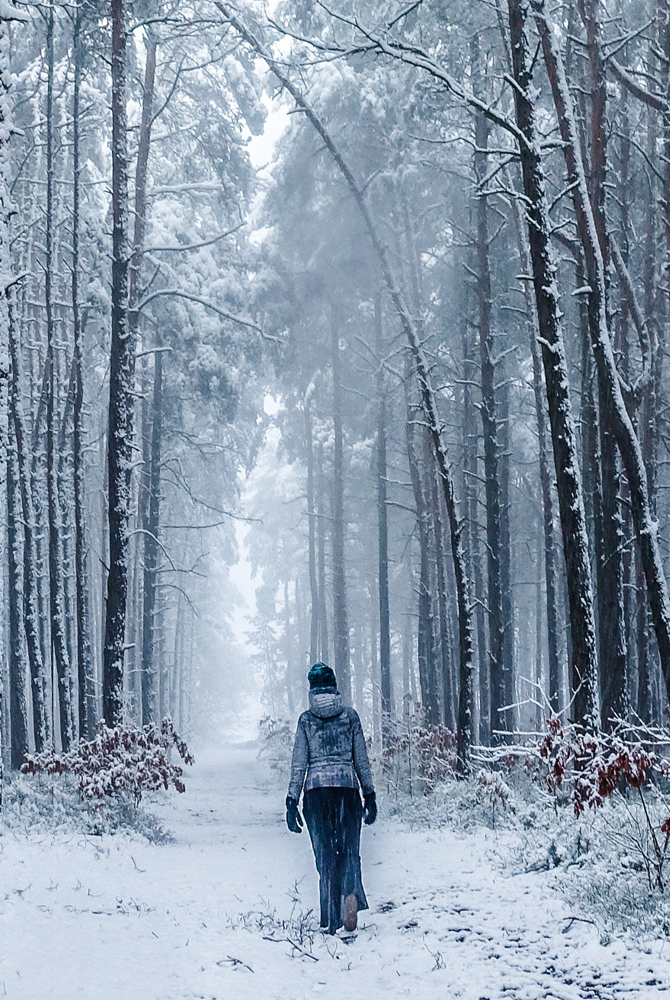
322,676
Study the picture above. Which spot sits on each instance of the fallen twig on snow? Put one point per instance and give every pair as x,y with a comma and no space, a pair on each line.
234,962
572,920
287,940
302,951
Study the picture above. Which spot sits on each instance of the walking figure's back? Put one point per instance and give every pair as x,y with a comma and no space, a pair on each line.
330,760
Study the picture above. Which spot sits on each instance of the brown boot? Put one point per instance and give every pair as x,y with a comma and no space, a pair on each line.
350,912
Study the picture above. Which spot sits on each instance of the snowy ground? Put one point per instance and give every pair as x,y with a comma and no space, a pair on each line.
121,919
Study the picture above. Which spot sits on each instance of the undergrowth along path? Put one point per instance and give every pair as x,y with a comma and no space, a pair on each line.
223,912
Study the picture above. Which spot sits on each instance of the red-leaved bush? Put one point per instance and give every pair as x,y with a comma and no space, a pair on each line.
122,759
597,764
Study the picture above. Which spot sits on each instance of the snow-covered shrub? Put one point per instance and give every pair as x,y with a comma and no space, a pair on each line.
493,790
419,756
275,740
48,805
119,762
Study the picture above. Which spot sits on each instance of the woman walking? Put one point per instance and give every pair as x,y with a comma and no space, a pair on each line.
331,760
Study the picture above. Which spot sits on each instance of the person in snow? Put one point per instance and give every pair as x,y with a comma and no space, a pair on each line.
331,760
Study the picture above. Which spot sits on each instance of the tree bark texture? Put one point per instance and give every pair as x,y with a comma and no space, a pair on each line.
611,615
56,568
18,708
151,530
490,437
85,665
121,380
30,569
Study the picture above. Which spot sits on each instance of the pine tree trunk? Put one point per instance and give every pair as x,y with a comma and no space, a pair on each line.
8,457
121,379
30,570
426,627
311,528
382,536
540,711
340,616
508,649
149,669
624,347
570,496
56,568
321,555
443,630
473,547
490,431
149,686
546,477
611,616
85,667
17,664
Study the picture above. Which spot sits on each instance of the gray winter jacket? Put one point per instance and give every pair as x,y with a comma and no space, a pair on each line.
329,749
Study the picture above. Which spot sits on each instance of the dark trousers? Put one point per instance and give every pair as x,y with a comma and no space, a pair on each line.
333,817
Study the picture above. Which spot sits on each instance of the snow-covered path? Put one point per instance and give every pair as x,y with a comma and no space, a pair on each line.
127,920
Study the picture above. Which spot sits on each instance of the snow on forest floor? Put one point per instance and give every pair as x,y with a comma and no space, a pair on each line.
119,918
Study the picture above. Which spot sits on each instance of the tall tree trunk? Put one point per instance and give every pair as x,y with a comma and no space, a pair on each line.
570,496
149,679
321,554
426,629
497,720
56,568
30,571
311,528
540,711
611,616
340,616
85,667
647,434
443,632
473,546
151,530
546,477
509,678
121,379
9,395
382,534
624,347
17,663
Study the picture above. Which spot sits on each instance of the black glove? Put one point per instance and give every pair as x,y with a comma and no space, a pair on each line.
293,817
370,809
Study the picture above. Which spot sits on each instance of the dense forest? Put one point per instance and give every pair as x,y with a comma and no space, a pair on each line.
376,295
